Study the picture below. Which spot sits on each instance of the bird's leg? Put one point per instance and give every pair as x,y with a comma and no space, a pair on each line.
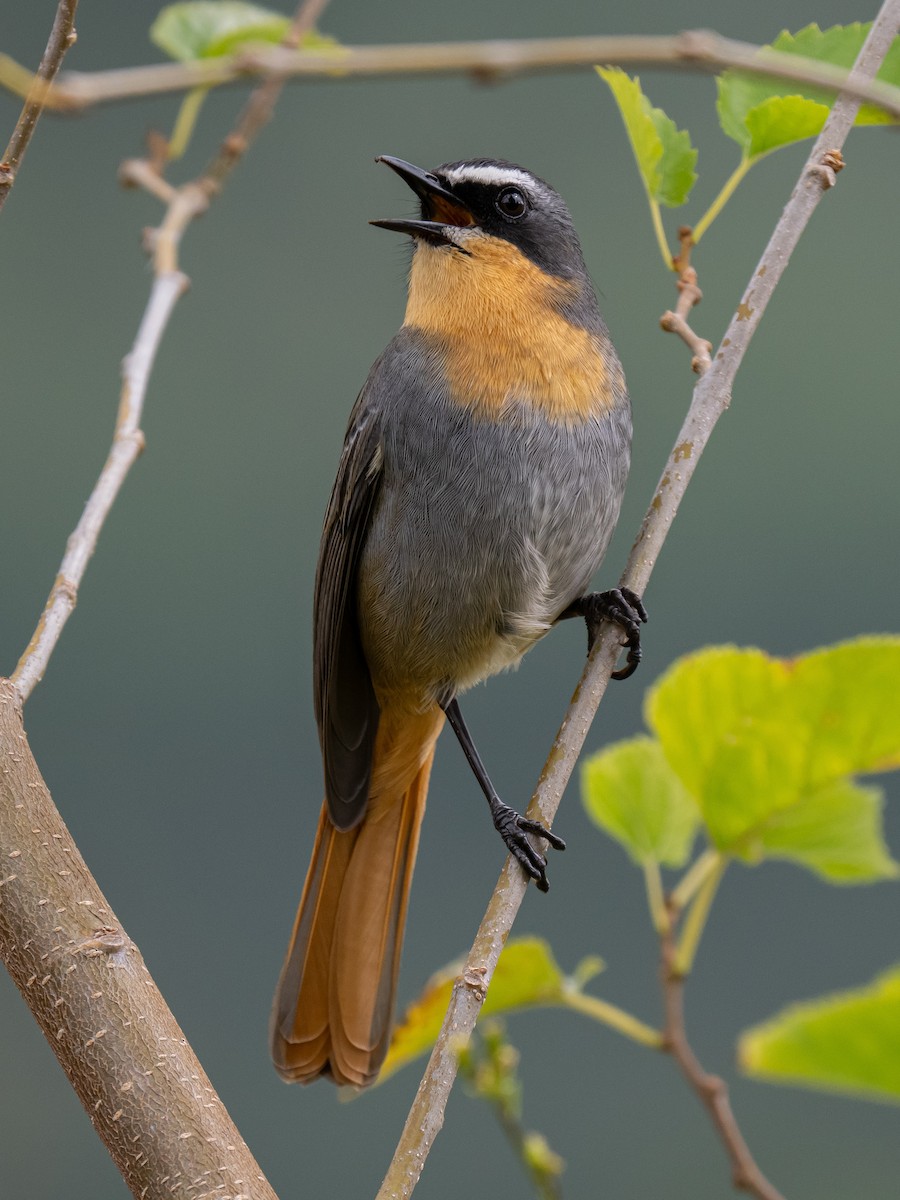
621,605
512,827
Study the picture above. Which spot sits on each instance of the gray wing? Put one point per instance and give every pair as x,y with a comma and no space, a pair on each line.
346,708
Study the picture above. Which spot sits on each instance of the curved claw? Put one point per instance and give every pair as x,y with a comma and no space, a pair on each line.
514,829
621,605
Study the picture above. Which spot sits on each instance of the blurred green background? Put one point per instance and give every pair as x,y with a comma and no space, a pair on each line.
175,726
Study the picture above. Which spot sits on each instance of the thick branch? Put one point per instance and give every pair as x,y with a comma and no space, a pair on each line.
62,36
83,979
699,50
710,399
87,987
183,205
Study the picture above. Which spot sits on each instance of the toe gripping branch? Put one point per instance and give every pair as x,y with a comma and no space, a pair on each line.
625,608
512,827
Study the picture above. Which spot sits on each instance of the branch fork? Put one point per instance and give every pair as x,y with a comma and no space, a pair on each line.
689,294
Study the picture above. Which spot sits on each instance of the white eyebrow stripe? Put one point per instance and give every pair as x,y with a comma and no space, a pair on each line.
493,175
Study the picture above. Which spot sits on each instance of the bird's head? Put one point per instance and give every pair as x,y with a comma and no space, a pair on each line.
498,285
468,207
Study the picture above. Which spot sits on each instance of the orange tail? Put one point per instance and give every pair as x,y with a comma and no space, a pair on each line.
335,998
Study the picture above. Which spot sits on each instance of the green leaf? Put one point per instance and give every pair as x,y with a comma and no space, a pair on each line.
848,698
781,120
208,28
526,976
707,711
848,1042
664,154
763,114
631,792
761,742
836,832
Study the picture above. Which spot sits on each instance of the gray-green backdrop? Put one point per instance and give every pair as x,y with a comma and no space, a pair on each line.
174,725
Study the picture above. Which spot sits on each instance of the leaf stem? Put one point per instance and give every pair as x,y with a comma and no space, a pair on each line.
692,879
185,122
656,901
616,1018
723,197
661,239
695,921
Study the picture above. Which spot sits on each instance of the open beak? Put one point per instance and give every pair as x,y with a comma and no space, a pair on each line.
441,210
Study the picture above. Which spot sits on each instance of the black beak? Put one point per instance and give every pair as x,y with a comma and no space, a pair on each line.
437,202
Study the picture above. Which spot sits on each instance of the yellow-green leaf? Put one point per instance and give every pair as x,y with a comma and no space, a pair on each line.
630,791
848,1042
708,712
762,114
835,831
847,696
663,153
207,28
754,739
780,120
526,976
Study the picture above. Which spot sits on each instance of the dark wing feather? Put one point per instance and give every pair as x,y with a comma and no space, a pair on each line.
345,704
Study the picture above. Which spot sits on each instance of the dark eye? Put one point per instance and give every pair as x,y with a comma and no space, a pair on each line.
511,203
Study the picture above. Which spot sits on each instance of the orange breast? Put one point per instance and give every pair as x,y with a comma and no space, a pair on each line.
497,317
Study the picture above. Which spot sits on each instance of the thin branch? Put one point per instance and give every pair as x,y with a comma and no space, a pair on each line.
712,1091
689,294
490,1068
87,986
79,973
128,441
711,397
262,101
490,61
62,36
183,205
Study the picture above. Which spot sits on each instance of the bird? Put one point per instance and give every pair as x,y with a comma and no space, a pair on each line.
479,484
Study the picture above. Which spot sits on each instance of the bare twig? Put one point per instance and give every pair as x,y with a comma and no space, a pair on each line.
82,977
128,441
711,397
183,205
259,107
62,36
490,1068
689,294
89,990
698,50
711,1090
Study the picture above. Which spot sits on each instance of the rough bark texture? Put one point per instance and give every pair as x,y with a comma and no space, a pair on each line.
89,990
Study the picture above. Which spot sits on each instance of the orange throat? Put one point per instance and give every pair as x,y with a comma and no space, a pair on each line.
503,337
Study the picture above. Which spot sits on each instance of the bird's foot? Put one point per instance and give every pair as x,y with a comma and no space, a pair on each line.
621,605
514,829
